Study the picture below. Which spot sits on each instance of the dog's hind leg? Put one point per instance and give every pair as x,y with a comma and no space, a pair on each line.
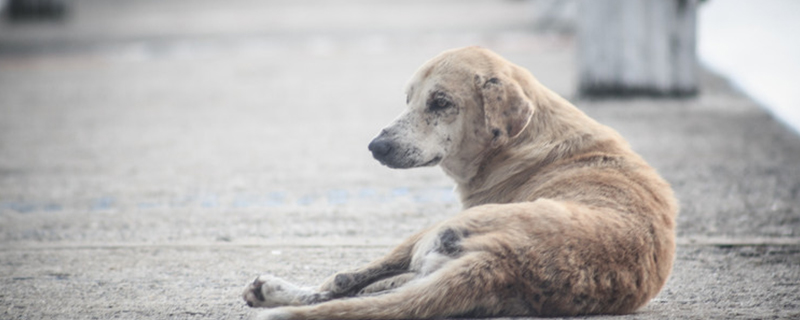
395,263
471,285
268,291
383,286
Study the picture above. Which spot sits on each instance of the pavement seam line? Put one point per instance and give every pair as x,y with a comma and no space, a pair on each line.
683,242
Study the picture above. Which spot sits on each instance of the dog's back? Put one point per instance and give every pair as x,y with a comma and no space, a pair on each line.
608,244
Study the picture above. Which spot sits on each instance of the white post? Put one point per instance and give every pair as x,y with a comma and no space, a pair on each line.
637,47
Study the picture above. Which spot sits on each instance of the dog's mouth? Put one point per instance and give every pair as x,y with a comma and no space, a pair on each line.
433,162
400,164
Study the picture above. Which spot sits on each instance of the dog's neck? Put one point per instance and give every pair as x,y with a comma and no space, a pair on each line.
557,130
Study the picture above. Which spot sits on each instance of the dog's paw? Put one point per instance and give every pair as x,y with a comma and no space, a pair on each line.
268,291
252,293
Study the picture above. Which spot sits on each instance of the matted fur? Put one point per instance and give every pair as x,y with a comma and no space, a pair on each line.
560,216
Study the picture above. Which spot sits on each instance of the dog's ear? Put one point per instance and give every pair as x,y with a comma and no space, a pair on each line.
506,108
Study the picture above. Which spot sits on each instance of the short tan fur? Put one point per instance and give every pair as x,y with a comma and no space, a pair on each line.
560,216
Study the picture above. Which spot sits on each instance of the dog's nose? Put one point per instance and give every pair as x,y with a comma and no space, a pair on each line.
380,148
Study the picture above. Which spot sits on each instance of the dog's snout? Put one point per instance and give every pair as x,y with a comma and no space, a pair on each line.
380,148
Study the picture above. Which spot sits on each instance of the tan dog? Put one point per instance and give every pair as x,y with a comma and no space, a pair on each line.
560,216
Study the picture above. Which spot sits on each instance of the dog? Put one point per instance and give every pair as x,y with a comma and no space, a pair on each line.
561,217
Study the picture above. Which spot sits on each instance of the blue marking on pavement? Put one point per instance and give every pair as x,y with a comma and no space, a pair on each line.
306,200
242,201
183,201
331,197
367,193
209,201
52,207
18,206
432,195
147,205
399,192
104,203
275,199
337,197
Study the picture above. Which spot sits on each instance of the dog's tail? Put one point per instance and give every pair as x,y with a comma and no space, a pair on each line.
457,289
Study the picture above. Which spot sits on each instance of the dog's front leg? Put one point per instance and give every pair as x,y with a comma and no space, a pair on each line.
396,262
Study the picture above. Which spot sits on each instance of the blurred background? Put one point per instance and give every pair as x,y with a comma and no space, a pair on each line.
156,155
151,105
244,105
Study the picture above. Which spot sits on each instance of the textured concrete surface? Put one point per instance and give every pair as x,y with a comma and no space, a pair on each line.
156,156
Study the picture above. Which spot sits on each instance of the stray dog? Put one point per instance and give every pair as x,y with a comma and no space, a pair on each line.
560,217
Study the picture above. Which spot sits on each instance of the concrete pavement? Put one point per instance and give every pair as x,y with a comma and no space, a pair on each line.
156,156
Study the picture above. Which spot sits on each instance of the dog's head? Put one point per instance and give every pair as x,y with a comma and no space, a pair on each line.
459,104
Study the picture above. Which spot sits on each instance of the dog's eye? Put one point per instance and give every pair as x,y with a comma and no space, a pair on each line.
439,103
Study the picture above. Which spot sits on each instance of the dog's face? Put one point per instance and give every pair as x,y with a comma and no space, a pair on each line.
457,107
425,133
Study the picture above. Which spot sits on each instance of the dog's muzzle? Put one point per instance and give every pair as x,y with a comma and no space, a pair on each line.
393,154
398,156
383,149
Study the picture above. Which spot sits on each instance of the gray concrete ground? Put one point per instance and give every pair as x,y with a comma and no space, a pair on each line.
156,156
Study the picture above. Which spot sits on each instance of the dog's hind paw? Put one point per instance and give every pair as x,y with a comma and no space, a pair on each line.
252,293
268,291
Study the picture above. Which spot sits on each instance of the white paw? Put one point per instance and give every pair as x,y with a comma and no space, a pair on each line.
268,291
